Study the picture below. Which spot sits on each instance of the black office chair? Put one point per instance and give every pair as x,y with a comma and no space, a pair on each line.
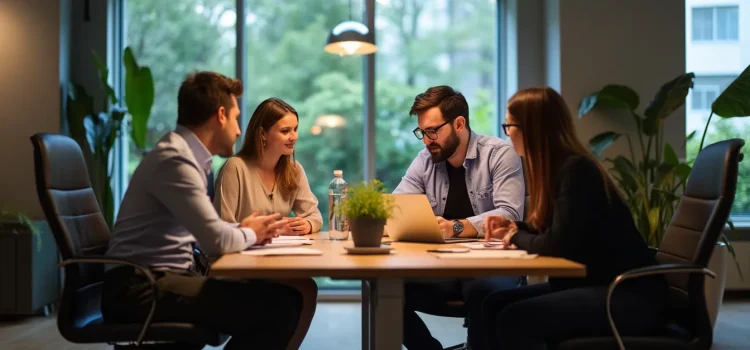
683,254
82,237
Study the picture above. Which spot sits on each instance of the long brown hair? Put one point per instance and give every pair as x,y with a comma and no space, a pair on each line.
549,137
264,117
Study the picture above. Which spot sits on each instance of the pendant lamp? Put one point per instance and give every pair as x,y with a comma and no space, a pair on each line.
351,38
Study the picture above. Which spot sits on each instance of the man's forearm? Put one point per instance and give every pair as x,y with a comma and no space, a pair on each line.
469,230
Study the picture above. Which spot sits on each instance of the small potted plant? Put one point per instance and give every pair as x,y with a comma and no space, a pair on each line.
367,209
15,222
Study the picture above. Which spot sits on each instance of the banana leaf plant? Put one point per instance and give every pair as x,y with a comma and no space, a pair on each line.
96,130
652,179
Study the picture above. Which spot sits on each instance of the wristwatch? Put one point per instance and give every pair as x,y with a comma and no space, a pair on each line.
458,227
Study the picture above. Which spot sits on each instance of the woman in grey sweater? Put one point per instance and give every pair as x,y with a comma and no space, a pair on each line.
264,178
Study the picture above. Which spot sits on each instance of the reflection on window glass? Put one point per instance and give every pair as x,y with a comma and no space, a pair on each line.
174,38
422,44
715,67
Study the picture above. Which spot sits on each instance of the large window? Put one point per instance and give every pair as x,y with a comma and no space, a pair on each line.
705,62
425,43
715,23
285,59
421,43
174,38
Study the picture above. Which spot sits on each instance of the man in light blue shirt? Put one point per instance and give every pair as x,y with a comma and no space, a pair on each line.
167,210
466,178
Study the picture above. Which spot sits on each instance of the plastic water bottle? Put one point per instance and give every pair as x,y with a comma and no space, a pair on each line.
338,227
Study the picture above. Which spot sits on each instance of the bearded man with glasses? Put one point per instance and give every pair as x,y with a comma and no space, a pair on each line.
466,177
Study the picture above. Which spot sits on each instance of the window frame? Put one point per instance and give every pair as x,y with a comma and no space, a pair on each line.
703,89
714,27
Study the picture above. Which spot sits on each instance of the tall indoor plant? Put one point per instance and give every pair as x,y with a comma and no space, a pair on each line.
652,179
651,182
95,129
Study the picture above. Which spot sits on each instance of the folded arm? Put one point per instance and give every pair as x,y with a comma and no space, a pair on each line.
306,204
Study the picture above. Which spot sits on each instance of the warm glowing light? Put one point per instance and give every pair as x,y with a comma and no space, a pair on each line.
316,130
330,121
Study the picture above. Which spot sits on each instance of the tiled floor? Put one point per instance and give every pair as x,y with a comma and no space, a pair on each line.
337,326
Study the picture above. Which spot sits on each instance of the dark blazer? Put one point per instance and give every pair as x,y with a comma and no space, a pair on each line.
587,226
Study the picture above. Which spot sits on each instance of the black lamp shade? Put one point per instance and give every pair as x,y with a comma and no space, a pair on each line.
351,38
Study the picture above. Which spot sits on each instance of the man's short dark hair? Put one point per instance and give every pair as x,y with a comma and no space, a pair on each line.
202,93
450,102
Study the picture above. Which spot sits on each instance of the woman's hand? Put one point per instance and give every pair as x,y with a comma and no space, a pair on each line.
298,226
498,227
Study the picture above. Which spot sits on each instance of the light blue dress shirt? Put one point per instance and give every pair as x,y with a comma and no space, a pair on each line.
166,208
494,179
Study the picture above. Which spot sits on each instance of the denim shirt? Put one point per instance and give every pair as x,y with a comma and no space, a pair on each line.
494,179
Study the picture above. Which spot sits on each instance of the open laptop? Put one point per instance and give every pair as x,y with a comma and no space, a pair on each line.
414,221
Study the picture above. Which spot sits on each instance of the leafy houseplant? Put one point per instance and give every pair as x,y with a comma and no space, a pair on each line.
95,131
651,180
367,209
651,183
13,220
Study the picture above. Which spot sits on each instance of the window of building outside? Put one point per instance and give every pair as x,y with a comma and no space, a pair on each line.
717,23
703,96
421,43
715,67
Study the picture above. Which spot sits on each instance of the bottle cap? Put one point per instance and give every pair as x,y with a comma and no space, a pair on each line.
338,173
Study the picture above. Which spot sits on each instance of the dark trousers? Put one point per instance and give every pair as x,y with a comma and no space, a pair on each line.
256,314
532,316
430,297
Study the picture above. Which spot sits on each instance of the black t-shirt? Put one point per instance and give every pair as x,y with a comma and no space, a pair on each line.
457,205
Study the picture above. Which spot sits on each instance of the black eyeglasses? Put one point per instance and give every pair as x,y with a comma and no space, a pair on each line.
506,127
431,133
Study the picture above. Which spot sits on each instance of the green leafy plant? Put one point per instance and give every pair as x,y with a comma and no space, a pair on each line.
96,129
13,220
650,180
651,183
366,200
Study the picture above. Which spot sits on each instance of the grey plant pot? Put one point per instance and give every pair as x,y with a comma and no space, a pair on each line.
366,232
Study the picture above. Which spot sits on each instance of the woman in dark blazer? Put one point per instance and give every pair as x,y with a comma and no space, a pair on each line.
574,212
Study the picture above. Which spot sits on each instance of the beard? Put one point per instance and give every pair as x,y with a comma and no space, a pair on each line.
441,153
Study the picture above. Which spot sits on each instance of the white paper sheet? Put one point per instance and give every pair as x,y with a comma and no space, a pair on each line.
282,251
291,241
282,244
291,238
481,245
487,254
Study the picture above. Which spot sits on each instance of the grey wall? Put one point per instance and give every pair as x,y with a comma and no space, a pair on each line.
638,43
578,46
30,94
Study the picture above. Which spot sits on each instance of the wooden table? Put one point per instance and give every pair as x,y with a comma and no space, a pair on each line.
383,276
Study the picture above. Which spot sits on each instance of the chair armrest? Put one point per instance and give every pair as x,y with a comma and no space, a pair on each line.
648,271
144,270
